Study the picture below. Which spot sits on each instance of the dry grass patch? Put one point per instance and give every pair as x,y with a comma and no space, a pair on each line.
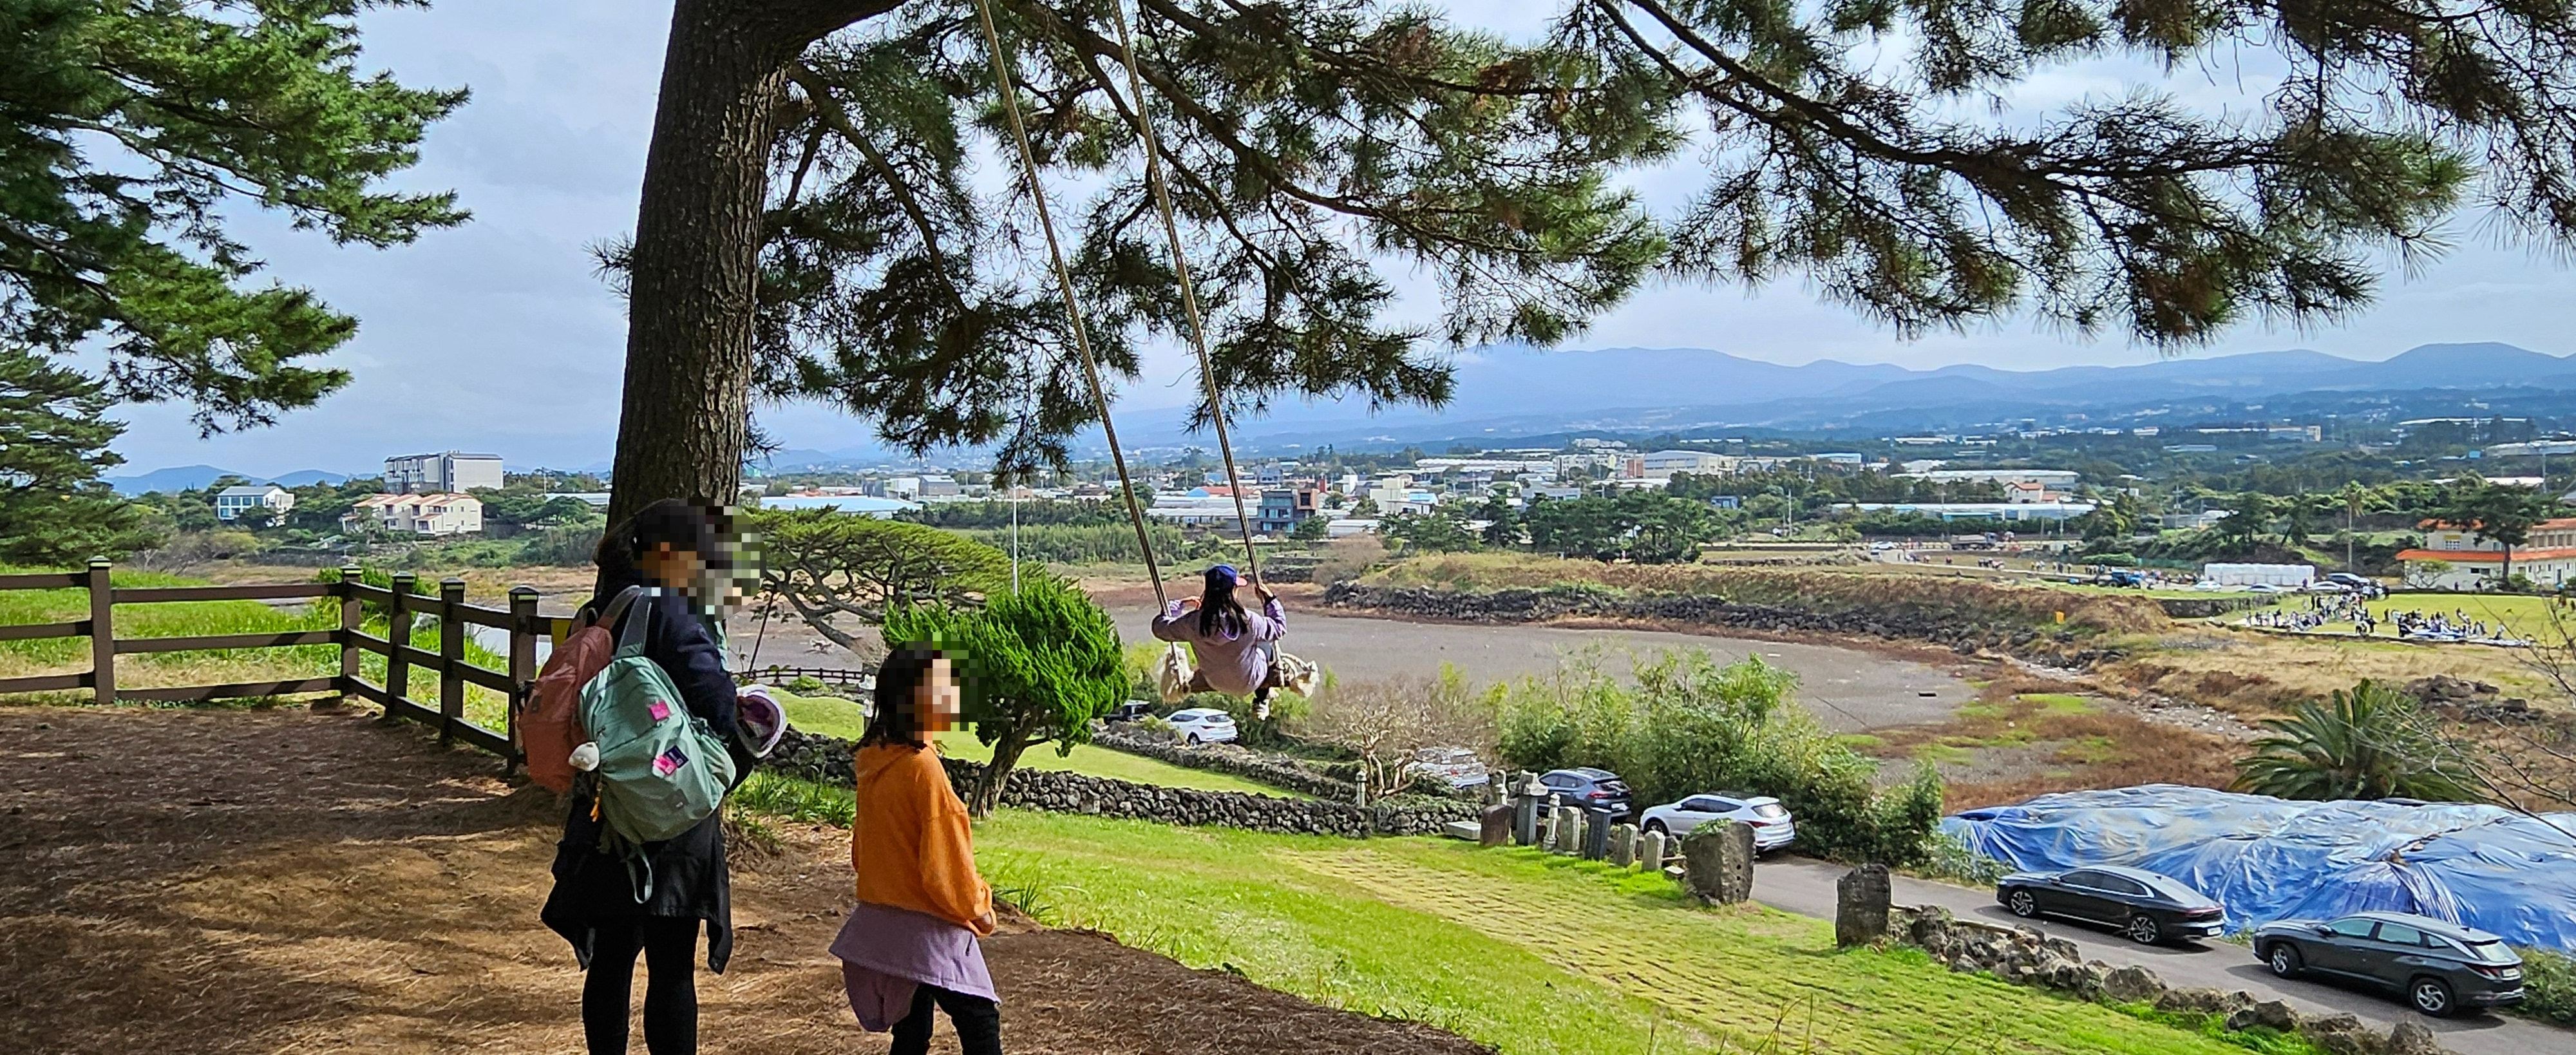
2028,736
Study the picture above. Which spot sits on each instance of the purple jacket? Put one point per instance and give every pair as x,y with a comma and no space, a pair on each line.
1235,665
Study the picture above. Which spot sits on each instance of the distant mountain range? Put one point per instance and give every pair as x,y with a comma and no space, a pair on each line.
188,476
1505,393
1508,393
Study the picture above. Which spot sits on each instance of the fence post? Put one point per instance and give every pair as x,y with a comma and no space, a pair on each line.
398,632
451,658
102,633
523,665
353,615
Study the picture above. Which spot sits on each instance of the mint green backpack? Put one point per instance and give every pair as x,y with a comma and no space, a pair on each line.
660,770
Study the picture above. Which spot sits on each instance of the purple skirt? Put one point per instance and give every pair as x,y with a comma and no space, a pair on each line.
887,952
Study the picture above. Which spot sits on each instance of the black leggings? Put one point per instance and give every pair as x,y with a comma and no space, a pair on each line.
670,948
978,1022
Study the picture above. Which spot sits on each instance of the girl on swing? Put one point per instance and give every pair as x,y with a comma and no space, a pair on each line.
1237,650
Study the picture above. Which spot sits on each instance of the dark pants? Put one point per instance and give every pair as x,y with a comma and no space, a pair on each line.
978,1022
670,948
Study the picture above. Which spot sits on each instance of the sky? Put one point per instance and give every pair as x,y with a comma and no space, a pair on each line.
499,336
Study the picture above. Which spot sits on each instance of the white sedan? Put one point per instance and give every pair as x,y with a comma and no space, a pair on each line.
1773,828
1202,725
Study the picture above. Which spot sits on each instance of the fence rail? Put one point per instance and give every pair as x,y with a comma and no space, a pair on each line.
448,662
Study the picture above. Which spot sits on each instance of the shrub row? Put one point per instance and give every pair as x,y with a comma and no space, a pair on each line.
1688,725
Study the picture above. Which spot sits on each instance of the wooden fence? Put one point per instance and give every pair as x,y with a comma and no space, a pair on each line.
447,662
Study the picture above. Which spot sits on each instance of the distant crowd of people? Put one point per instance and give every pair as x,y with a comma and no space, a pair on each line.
2326,609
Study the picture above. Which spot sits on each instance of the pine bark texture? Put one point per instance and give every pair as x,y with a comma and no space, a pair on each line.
694,267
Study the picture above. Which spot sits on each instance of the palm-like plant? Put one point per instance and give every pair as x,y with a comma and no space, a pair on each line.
2369,743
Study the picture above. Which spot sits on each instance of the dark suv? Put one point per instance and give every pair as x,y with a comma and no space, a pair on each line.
1589,788
2440,967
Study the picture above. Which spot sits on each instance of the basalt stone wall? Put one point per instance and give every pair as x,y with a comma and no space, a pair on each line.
1228,759
827,759
2026,956
1521,605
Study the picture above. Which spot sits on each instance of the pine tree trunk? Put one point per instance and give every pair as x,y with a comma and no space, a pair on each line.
693,270
988,791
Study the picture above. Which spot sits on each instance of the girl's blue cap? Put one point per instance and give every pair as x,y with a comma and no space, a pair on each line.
1227,573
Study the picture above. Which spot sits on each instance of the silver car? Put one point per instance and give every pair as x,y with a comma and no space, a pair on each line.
1773,828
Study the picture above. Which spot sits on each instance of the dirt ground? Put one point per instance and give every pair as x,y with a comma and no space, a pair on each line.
285,881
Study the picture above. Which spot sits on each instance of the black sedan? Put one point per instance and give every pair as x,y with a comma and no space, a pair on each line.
2440,967
2147,907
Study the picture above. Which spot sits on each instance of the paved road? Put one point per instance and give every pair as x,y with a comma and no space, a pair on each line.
1848,688
1807,888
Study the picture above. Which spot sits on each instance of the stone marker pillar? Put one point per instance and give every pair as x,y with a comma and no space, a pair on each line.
1525,820
1569,831
1860,905
1718,863
1596,834
1623,845
1495,826
1650,851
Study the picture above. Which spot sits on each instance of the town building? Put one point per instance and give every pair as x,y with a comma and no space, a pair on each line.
231,502
1980,510
1661,465
2043,477
451,471
416,514
2459,558
1283,508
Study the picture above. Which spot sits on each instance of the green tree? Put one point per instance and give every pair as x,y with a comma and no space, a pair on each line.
828,565
54,436
1034,667
2356,496
1502,519
1438,531
1311,529
2249,513
872,273
2370,743
2500,513
126,131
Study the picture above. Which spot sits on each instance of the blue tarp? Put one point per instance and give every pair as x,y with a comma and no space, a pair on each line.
2266,858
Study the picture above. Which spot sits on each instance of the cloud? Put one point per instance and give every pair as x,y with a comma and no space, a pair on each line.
499,336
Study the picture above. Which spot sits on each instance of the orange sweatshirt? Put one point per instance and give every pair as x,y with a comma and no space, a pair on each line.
909,841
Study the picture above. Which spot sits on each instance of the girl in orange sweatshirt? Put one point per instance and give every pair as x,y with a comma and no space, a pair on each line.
911,943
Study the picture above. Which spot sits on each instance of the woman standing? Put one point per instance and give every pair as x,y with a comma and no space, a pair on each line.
911,944
680,555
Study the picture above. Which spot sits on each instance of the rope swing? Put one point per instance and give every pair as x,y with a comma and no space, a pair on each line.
1072,305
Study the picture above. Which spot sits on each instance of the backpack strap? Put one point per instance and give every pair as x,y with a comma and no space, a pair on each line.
616,606
630,639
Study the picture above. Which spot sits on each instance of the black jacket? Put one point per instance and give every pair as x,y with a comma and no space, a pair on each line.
688,872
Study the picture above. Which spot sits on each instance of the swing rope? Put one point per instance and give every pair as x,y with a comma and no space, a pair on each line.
1181,269
1064,281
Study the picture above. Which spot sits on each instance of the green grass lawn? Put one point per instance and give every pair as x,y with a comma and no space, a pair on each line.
1530,953
832,716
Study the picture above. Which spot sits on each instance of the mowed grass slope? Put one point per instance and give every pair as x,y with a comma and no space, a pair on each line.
1535,955
71,655
833,716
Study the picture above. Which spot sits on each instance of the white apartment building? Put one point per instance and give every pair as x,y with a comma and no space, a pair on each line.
232,501
416,514
452,471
